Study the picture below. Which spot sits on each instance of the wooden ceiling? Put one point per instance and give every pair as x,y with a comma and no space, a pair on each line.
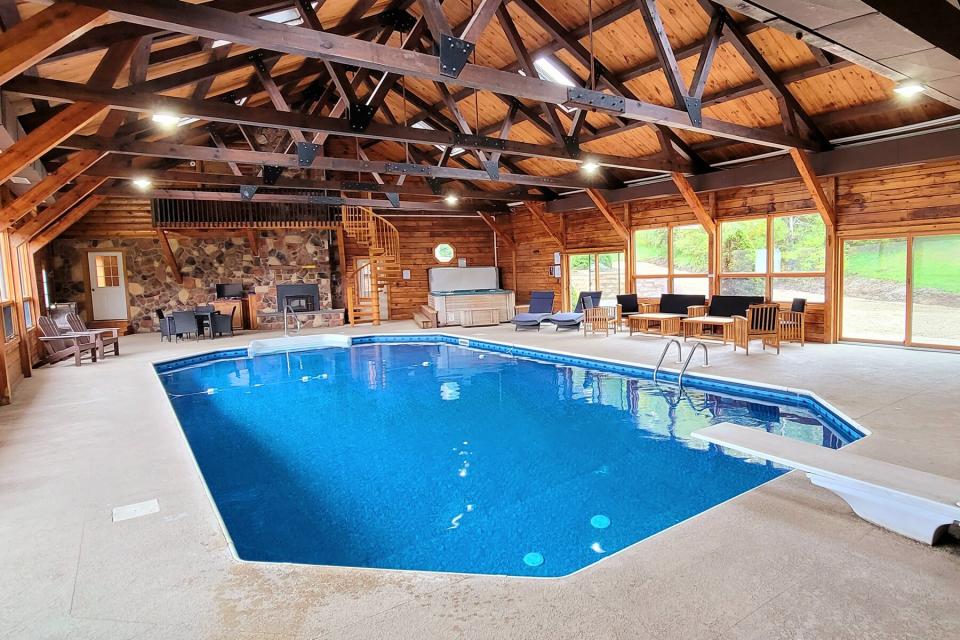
828,96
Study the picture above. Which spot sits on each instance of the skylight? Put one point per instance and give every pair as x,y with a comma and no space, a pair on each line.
423,125
290,17
549,71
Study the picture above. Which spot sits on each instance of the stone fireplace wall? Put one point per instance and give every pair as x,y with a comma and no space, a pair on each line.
291,256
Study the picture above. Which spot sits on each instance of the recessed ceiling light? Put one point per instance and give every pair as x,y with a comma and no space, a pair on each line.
590,166
452,199
909,88
142,183
166,119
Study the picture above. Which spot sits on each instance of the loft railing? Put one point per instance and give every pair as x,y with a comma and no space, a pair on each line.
209,214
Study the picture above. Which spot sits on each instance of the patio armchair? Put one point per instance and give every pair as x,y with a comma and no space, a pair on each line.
60,346
792,322
762,322
166,326
185,324
223,323
105,337
597,319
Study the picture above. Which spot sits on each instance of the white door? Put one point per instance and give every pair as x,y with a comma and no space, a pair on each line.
108,285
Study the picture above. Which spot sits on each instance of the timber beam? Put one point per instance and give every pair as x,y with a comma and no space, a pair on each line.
693,201
824,204
604,207
502,235
169,256
203,21
536,209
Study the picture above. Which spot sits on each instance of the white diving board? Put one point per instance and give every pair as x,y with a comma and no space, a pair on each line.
913,503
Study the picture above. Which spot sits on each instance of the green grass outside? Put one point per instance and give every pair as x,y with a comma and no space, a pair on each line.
936,261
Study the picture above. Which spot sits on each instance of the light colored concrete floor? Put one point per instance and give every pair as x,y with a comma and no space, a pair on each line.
786,560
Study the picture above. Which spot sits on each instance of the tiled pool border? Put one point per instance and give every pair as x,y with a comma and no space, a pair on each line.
842,424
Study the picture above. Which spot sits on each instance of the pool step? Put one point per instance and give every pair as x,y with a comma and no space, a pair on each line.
425,317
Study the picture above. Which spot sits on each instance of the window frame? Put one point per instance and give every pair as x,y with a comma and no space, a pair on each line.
453,258
769,275
595,268
8,292
671,275
26,281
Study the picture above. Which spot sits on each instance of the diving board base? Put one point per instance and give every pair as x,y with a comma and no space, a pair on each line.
893,512
913,503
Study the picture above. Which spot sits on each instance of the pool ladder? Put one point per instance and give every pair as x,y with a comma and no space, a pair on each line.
286,324
686,363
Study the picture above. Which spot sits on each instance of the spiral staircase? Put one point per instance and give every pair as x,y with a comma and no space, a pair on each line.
364,284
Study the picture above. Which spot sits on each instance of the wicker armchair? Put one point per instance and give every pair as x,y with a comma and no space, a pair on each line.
762,322
793,321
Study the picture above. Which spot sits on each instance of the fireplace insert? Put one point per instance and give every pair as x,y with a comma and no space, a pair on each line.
300,303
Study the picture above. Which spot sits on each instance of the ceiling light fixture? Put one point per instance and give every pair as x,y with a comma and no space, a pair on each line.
142,183
909,88
452,199
166,119
590,166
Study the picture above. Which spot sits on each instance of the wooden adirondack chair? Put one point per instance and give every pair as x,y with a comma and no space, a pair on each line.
60,346
107,336
762,322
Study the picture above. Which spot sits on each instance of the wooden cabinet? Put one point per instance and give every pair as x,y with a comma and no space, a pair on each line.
244,316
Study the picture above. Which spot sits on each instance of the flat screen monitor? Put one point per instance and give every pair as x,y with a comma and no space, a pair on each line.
229,290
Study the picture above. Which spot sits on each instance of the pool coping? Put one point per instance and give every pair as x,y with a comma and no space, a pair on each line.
458,340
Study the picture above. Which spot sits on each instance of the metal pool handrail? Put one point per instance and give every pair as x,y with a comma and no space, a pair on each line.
663,354
286,325
706,359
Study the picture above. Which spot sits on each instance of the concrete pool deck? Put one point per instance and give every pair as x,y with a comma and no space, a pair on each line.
787,560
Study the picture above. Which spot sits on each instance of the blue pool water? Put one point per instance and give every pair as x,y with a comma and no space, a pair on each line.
444,458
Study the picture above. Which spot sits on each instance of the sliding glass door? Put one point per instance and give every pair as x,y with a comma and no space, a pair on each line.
902,290
604,272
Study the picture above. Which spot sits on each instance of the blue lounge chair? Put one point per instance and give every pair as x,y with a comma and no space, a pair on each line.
541,306
573,319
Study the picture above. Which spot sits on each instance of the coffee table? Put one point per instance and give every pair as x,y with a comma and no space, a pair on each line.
693,327
667,324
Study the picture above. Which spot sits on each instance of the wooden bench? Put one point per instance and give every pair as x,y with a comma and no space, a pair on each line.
913,503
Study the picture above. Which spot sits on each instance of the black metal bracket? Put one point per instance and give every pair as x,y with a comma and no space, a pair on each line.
306,152
471,140
362,186
587,99
394,199
436,185
454,53
400,20
271,174
327,200
409,168
693,109
492,167
572,146
257,60
247,191
360,115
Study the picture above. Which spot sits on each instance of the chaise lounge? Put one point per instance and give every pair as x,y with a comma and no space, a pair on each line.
664,317
539,309
573,319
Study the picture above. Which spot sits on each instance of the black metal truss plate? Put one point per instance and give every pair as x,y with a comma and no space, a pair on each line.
362,186
408,168
571,145
394,199
436,185
492,168
454,54
247,191
470,140
400,20
271,174
587,99
328,200
693,110
306,152
360,116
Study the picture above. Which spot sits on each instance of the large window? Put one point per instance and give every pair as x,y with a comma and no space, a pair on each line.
671,259
7,310
778,257
903,290
605,272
